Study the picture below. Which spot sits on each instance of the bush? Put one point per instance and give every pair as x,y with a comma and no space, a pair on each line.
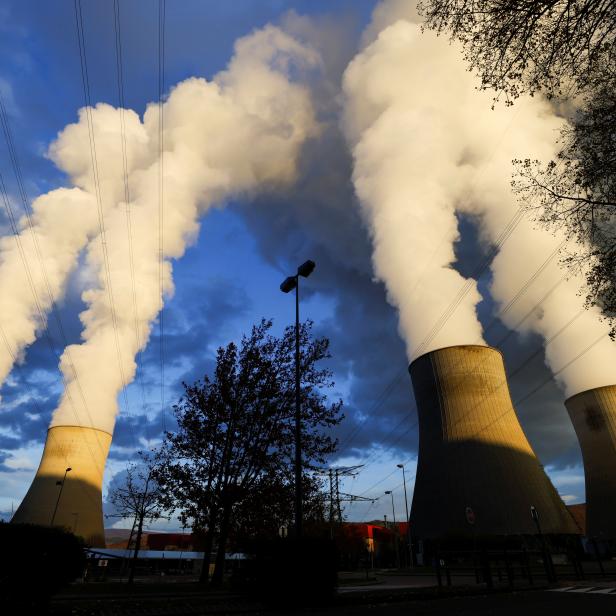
38,561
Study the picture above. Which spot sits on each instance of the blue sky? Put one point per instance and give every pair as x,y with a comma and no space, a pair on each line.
229,278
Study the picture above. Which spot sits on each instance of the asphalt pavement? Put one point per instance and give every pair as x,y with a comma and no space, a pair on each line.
525,603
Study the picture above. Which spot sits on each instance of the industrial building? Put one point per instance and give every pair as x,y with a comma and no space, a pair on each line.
477,473
593,414
66,490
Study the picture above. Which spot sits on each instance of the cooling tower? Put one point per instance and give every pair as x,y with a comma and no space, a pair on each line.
593,414
476,473
79,500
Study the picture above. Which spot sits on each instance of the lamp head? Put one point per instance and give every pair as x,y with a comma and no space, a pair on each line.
69,469
305,269
388,492
400,465
289,284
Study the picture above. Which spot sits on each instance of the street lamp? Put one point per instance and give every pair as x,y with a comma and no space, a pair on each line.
393,511
290,283
408,521
61,484
392,505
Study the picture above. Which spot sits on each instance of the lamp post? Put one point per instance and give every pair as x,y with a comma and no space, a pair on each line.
408,522
61,484
393,511
290,283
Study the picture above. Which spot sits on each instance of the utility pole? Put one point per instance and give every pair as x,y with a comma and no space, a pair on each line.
408,521
339,509
335,496
331,502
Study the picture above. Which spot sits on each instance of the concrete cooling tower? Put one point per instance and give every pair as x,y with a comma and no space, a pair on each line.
476,473
76,505
593,414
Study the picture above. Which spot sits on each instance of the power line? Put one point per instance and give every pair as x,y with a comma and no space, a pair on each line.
523,289
505,381
47,335
161,262
127,199
376,405
95,175
380,481
469,282
516,402
22,254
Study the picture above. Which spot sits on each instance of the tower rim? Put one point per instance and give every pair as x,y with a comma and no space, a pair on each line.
455,346
79,427
587,391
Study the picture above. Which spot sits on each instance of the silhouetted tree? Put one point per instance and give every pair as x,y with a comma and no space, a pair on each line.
234,440
577,194
551,46
271,508
138,498
563,49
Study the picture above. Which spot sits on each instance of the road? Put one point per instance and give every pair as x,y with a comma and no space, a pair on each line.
570,600
526,603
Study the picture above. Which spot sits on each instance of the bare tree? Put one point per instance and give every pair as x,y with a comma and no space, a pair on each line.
139,499
518,46
565,50
577,193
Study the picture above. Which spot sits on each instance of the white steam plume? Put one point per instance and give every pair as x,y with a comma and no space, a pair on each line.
409,185
34,267
415,119
238,133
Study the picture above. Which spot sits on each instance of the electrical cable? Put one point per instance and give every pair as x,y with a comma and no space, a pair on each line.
99,200
161,135
127,199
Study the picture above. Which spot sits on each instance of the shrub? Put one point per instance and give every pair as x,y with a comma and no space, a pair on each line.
38,561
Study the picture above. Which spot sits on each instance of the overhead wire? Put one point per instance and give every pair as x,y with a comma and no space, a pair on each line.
507,231
523,364
161,191
523,289
99,199
25,262
350,438
516,402
47,335
127,198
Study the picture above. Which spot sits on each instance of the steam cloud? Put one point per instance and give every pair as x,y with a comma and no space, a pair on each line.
426,144
231,136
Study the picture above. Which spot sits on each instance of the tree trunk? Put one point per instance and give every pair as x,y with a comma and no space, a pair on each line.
207,548
207,551
133,564
219,566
